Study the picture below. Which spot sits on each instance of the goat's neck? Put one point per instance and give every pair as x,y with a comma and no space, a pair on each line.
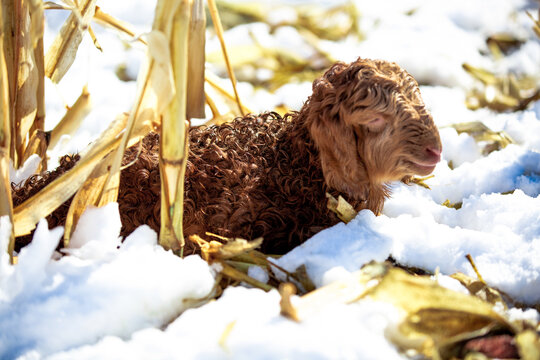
301,143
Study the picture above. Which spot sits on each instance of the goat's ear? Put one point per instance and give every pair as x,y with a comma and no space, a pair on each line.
338,149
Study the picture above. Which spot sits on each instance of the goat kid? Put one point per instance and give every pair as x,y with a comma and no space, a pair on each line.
364,126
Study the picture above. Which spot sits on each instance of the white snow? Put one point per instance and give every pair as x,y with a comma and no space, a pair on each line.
107,299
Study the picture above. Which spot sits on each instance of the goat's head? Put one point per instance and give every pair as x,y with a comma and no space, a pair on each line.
371,127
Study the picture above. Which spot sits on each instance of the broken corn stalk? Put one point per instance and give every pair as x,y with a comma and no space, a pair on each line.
174,142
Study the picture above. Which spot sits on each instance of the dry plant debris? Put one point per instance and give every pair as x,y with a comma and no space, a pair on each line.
436,322
494,140
502,92
313,24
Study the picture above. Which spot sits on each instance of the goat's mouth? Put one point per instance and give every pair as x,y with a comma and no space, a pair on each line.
427,163
421,168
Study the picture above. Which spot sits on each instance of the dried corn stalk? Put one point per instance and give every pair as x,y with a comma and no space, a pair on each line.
195,75
174,142
6,206
36,30
22,73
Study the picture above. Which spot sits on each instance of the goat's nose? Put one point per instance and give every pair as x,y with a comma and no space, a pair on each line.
434,152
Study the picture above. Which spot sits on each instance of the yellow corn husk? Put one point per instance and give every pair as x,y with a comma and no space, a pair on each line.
62,52
73,118
195,76
174,132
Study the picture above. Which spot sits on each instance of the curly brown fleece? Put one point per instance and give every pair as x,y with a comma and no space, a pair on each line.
364,125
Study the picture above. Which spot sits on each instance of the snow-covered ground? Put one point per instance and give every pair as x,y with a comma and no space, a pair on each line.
108,300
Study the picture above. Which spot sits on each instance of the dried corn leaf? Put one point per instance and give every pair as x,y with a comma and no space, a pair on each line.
528,344
480,289
496,140
501,44
501,92
216,20
326,22
483,75
37,145
456,206
233,13
105,19
536,25
421,181
27,214
214,81
302,278
72,119
6,205
241,55
89,194
237,275
286,290
237,249
341,207
439,316
63,50
438,333
340,292
330,23
414,293
232,248
436,319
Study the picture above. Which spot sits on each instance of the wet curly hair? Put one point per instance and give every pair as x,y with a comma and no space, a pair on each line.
364,125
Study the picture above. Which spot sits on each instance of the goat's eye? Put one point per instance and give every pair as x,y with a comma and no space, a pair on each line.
376,124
